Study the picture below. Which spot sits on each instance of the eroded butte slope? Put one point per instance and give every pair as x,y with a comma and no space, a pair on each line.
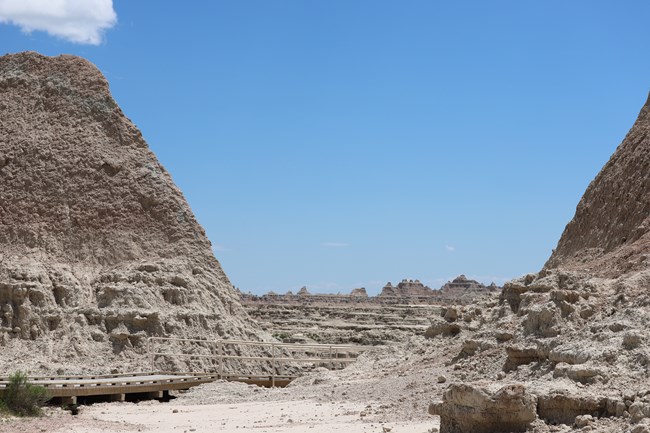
610,232
98,247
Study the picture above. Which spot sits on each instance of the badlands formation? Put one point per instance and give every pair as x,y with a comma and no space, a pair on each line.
569,345
99,250
562,349
397,313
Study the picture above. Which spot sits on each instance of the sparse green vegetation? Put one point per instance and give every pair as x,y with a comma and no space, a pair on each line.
22,398
282,336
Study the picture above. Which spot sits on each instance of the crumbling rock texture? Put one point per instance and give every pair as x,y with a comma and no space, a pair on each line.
578,344
569,346
576,333
468,408
610,232
98,247
361,319
459,290
406,288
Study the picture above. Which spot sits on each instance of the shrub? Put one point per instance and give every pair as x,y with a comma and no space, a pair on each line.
22,398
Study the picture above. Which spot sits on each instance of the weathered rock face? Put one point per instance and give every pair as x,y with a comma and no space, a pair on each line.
467,408
576,332
359,292
98,247
462,284
338,319
399,312
407,289
459,290
465,290
610,232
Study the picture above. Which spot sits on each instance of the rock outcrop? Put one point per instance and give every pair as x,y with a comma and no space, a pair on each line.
610,232
467,408
357,318
464,290
407,289
98,248
462,284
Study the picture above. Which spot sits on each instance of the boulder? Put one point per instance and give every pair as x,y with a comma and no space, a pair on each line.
469,409
443,328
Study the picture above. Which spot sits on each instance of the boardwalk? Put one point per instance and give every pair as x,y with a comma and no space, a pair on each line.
116,387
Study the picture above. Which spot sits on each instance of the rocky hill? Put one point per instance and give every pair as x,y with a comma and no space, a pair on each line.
610,232
98,248
406,289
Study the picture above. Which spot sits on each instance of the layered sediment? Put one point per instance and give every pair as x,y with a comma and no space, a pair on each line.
98,247
397,313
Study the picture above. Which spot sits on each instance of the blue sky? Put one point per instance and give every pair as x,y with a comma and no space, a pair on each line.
339,144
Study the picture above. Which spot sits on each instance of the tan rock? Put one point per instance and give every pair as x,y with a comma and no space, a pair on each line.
610,232
468,409
95,236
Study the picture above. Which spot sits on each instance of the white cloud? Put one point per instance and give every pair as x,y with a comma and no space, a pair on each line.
334,244
450,248
218,247
80,21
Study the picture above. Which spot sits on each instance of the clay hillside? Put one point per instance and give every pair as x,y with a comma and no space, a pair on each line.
610,232
98,248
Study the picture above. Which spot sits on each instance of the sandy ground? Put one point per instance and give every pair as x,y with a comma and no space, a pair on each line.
382,392
272,417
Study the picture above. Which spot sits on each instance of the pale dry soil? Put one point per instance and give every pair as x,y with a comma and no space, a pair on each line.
378,393
272,416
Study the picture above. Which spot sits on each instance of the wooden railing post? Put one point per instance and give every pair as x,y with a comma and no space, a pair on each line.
331,359
336,353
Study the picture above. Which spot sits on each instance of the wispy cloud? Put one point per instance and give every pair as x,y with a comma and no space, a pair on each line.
334,244
450,248
79,21
218,247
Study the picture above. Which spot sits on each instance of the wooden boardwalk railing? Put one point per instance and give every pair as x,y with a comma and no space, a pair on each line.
114,386
278,365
